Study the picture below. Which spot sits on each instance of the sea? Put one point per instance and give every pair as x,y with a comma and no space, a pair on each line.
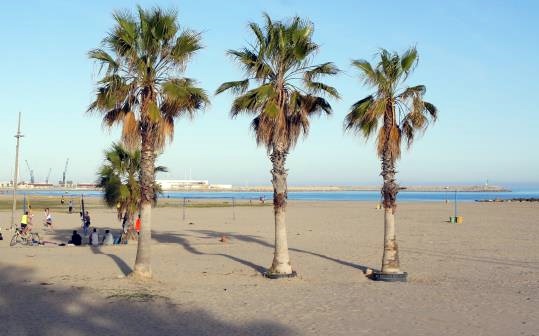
369,196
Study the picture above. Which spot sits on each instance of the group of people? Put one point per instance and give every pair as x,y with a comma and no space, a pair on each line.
27,218
76,238
93,238
69,204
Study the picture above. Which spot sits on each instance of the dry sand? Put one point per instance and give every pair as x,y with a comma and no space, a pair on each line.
478,278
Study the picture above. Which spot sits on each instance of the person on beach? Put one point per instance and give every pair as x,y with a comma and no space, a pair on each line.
24,221
137,224
30,215
108,238
86,222
76,239
48,218
70,206
94,238
62,201
119,211
124,223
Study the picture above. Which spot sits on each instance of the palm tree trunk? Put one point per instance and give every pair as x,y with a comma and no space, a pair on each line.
147,176
390,259
281,259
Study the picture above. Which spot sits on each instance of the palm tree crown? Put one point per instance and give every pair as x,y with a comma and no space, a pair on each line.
119,177
285,95
403,112
141,87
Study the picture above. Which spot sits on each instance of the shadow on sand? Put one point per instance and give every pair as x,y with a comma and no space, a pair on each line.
65,235
183,241
31,308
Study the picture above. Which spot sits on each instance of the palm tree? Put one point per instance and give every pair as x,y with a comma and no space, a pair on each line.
402,113
119,177
282,100
141,87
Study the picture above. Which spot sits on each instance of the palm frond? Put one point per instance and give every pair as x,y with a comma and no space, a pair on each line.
236,87
253,101
318,87
104,59
181,96
418,90
327,68
363,116
408,60
186,45
431,109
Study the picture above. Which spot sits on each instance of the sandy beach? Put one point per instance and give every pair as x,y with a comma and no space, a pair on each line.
477,278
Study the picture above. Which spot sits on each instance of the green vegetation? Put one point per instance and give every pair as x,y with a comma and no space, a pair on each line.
39,203
119,178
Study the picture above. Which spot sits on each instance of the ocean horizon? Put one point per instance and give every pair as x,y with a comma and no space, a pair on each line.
373,196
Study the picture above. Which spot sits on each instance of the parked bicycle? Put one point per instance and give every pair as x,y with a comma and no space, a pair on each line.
24,238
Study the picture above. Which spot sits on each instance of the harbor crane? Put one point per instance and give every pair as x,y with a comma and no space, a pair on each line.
64,174
31,172
48,176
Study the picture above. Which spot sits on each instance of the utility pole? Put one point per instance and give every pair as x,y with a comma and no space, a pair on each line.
16,174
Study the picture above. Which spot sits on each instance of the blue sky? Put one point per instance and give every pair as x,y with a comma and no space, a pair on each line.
478,60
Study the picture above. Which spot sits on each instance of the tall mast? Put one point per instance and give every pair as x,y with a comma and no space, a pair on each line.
16,173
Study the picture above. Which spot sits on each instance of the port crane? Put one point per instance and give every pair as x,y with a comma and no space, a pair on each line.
64,174
31,172
48,176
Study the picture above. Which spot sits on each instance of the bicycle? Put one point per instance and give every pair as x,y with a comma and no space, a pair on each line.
130,234
24,238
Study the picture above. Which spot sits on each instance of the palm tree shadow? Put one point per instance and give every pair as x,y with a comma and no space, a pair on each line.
65,235
258,268
177,238
122,265
258,240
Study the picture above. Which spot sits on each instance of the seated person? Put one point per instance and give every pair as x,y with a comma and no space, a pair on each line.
76,239
108,239
94,238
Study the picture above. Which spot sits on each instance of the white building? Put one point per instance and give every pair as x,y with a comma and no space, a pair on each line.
183,184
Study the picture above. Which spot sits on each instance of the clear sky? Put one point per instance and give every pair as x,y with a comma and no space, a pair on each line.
478,59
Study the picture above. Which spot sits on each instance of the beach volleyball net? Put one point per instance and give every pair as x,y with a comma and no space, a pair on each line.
188,204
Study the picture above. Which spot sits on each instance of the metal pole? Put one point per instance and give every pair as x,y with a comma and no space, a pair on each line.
455,203
16,173
233,208
183,209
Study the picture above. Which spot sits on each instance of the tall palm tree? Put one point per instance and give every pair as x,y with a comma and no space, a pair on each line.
142,88
401,113
119,177
282,100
